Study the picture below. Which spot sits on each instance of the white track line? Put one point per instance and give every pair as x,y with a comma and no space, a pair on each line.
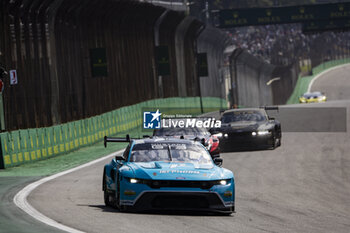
21,197
322,73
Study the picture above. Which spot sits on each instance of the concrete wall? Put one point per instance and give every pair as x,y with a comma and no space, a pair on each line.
213,42
250,77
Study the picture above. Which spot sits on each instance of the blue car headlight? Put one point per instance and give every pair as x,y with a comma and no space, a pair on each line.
221,182
134,181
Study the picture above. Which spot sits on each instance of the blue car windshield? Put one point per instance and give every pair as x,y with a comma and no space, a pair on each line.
170,152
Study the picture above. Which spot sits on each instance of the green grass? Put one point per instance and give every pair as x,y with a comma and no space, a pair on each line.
64,162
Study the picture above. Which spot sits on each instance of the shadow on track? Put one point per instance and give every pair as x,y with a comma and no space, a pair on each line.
160,212
246,149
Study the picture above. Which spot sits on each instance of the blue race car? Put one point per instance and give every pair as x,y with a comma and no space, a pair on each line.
167,174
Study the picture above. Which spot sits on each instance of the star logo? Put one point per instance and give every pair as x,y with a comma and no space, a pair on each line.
156,115
151,120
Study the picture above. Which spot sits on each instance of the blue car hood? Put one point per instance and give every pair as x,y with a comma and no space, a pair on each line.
178,171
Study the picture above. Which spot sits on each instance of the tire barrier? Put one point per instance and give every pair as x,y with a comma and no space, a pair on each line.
29,145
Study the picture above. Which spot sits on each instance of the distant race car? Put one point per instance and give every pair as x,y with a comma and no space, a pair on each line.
248,128
167,174
192,133
313,97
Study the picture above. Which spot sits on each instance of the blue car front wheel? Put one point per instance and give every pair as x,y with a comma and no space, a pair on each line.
106,196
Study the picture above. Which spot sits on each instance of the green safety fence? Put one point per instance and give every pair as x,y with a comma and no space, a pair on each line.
23,146
303,82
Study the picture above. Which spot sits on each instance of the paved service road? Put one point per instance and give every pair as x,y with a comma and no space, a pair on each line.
303,186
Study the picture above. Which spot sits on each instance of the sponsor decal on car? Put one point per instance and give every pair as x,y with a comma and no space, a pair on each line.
178,171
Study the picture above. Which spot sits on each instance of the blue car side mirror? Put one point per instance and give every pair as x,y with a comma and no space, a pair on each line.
218,161
119,157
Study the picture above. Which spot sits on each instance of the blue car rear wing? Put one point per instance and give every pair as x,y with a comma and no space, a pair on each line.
114,139
276,108
119,139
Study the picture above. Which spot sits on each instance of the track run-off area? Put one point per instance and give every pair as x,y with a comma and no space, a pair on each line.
302,186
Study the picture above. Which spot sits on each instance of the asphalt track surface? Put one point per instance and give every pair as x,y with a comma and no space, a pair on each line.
303,186
12,219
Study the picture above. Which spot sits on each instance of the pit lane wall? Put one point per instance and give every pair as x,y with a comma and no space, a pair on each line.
251,81
214,42
30,145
